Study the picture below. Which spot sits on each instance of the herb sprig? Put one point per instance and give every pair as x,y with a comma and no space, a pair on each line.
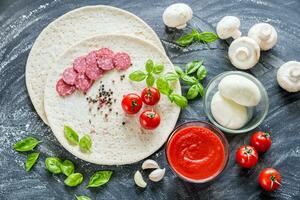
195,36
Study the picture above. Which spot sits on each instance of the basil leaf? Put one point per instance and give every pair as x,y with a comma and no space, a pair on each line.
200,89
74,179
206,37
137,76
185,40
163,86
171,76
192,92
26,144
67,168
158,68
71,135
179,70
190,80
179,100
150,80
99,178
193,66
201,73
149,65
31,160
85,143
82,198
53,164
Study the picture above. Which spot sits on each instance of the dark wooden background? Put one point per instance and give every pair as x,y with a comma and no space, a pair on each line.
22,20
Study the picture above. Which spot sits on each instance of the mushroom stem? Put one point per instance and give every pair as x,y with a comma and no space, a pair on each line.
265,33
236,34
295,72
242,53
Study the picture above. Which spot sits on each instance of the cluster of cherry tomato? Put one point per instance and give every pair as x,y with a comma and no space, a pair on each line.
247,157
132,104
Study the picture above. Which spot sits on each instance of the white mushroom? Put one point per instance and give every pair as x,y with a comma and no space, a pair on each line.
244,53
264,34
138,179
288,76
229,26
240,89
228,113
149,164
177,15
157,175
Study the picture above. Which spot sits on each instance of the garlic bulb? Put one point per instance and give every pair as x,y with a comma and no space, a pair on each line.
229,26
177,15
157,175
244,53
288,76
264,34
138,179
149,164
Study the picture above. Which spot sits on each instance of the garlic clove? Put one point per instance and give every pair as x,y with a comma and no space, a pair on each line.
264,34
149,164
138,179
288,76
157,174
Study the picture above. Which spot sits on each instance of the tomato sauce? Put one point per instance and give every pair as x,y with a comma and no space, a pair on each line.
196,153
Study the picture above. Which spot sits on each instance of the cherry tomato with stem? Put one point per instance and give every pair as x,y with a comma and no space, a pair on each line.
149,119
269,179
246,156
261,141
150,96
132,103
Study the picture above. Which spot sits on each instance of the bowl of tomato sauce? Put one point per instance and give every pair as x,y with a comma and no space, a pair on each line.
197,152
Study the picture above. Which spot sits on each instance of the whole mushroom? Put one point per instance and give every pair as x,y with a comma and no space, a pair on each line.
244,53
288,76
264,34
229,26
177,15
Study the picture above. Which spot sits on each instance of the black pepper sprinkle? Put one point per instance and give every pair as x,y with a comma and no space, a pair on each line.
110,110
123,123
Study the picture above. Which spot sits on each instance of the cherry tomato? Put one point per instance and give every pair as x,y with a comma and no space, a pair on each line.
269,179
261,141
132,103
246,156
149,119
150,96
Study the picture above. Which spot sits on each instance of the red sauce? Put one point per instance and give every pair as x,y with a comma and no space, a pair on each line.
196,153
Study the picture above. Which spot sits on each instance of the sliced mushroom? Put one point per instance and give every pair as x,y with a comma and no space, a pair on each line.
264,34
177,15
149,164
157,175
244,53
138,179
288,76
229,26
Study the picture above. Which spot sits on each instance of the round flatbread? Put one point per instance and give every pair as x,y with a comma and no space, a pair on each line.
117,138
71,28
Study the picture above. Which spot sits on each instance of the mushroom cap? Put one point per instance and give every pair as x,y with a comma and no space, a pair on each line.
288,76
264,34
177,15
244,53
228,27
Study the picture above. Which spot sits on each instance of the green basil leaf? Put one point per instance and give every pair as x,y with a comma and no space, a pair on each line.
185,40
171,76
150,80
85,143
201,73
67,167
192,92
99,178
158,68
82,198
206,37
200,89
163,86
179,100
53,164
26,144
74,179
137,76
190,80
178,70
31,160
71,135
193,66
149,65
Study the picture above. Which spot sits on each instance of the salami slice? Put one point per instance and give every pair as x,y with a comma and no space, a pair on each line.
93,72
83,83
122,61
105,63
91,59
80,64
69,76
105,52
63,89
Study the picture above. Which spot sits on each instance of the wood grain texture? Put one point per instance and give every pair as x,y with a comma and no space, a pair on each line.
21,22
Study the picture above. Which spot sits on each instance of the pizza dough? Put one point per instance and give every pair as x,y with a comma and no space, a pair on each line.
113,142
71,28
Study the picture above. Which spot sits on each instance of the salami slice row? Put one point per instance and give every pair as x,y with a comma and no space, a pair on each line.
89,68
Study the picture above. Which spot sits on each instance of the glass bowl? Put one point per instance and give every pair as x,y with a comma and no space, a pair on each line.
256,114
218,133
